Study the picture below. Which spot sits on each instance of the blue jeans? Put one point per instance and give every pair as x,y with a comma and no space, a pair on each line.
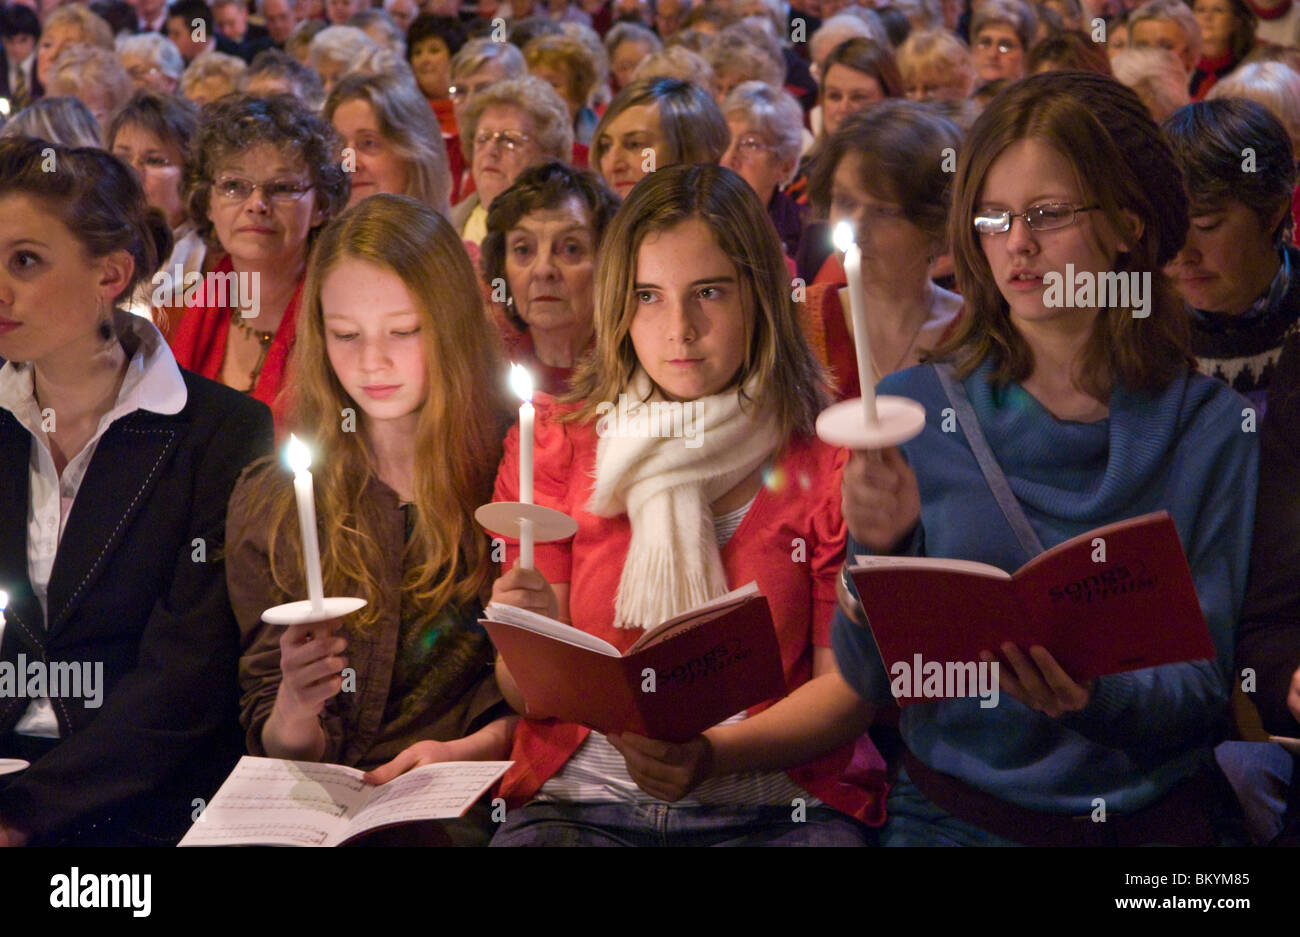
915,820
547,823
1260,774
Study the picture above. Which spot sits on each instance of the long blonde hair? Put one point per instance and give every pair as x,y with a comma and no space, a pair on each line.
458,435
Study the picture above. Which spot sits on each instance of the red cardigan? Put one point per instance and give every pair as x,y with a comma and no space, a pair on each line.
791,542
199,343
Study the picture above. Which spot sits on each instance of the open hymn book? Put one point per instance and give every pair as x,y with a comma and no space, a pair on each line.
1117,598
682,677
274,802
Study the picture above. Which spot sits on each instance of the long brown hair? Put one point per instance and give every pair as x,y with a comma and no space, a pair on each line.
458,435
1121,163
790,383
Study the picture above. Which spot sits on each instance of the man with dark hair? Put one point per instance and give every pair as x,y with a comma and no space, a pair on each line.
1237,272
281,17
231,19
192,27
1240,278
19,30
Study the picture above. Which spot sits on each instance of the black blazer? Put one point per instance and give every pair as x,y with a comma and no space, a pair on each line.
131,589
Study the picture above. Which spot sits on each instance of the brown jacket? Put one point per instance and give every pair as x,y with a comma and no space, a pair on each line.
354,725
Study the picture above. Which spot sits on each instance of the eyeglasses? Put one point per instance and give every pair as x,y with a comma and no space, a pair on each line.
1004,46
750,145
1047,217
507,138
461,92
234,189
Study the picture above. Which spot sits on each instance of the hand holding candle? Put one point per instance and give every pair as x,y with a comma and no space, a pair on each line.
522,384
299,458
844,242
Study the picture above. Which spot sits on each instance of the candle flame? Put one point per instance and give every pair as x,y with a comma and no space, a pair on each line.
297,454
843,236
4,600
521,382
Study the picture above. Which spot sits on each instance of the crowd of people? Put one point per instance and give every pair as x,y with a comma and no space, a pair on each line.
220,225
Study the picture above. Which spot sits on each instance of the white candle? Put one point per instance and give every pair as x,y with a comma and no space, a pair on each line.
522,382
858,310
299,459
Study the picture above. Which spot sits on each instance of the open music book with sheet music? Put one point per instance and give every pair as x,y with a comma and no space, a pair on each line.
274,802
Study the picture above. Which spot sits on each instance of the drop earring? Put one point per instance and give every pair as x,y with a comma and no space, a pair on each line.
105,324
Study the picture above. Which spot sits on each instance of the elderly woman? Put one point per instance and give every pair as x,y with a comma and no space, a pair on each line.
152,60
150,134
677,62
274,72
1002,32
1168,25
736,57
210,76
334,49
883,173
936,66
627,44
267,174
1227,37
566,65
507,127
538,261
766,127
479,63
653,123
392,138
65,121
380,27
93,76
66,26
1272,84
1155,75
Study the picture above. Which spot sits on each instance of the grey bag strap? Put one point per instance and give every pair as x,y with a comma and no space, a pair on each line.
988,463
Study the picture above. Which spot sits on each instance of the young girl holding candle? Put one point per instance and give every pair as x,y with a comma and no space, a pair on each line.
693,306
1069,417
394,358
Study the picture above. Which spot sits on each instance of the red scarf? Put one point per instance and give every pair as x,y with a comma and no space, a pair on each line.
199,342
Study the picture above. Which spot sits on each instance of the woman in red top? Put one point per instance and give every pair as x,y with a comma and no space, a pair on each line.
885,173
692,308
268,173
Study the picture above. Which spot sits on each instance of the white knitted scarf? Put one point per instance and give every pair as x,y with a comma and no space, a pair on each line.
666,487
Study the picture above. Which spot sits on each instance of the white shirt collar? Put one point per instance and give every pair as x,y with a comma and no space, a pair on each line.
153,380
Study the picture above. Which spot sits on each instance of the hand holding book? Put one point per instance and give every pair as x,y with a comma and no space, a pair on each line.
1038,681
